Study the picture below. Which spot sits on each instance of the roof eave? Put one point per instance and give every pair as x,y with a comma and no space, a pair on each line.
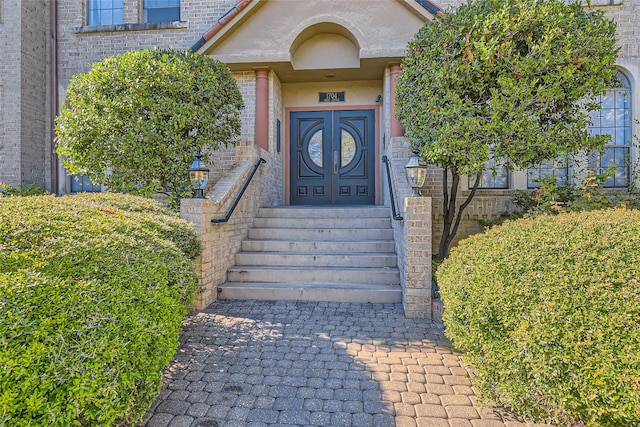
231,15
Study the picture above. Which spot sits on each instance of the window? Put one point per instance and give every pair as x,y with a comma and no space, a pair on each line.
83,184
614,119
161,10
494,176
557,168
105,12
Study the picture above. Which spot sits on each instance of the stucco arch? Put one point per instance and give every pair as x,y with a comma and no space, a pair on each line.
323,23
325,45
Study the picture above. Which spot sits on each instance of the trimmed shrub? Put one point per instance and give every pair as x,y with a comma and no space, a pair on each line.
547,311
22,190
93,290
134,122
552,199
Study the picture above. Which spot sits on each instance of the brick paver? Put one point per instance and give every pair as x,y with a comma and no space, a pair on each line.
260,363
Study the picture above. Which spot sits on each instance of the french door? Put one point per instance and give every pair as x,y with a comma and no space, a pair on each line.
332,157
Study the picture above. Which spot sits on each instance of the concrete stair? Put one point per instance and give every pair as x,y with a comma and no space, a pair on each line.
317,254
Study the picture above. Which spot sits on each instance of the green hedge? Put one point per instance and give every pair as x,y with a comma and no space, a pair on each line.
547,311
93,290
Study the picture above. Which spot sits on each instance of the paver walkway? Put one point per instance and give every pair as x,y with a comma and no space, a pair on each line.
259,363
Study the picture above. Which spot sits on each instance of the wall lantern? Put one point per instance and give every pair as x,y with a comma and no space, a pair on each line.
199,176
416,173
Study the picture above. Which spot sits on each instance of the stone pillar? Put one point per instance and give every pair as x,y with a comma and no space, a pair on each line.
416,293
396,128
262,108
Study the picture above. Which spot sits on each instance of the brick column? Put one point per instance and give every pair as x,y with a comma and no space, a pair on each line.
199,212
396,128
262,108
416,295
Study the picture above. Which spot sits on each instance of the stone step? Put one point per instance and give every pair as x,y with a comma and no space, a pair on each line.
332,292
316,260
308,247
355,223
324,234
324,212
296,275
317,254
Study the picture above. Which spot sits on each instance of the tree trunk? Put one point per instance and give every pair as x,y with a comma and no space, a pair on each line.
452,215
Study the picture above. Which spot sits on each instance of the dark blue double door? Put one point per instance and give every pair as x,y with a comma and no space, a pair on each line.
332,157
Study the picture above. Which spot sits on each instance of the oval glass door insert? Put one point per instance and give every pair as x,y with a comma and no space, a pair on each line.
348,146
315,148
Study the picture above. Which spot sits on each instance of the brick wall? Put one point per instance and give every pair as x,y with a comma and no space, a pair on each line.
24,121
224,159
220,242
412,235
79,49
10,94
628,34
486,205
273,191
34,102
247,85
416,254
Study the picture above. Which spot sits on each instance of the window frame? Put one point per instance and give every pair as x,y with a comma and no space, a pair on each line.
624,128
169,6
82,181
492,169
96,8
546,169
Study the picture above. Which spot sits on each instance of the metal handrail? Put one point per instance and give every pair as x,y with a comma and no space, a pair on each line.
395,214
244,187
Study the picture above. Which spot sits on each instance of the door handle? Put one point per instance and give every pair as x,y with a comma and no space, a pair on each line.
336,159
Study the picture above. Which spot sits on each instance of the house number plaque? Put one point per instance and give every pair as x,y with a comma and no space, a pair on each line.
331,96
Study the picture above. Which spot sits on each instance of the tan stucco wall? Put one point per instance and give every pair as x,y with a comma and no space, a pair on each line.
381,28
326,51
298,95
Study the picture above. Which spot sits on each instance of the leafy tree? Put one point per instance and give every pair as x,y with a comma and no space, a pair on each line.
505,80
135,121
